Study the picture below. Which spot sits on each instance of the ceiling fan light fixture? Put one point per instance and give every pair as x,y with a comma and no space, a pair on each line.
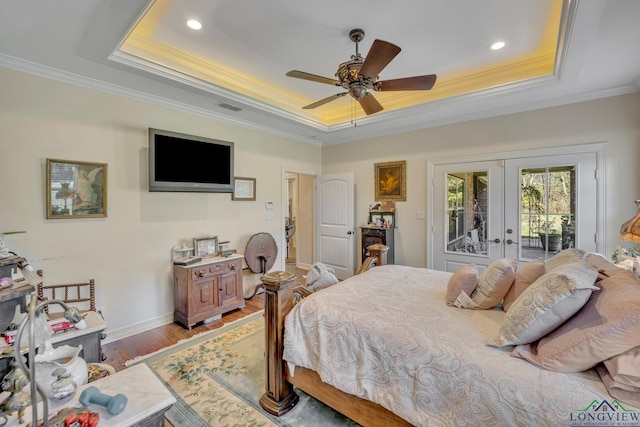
357,91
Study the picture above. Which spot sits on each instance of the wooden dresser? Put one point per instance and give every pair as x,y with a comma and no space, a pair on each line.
207,289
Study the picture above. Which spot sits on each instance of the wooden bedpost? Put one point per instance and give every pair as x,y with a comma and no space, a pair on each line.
279,397
379,251
377,256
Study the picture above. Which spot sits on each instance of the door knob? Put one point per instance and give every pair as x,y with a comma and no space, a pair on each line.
511,242
349,232
496,240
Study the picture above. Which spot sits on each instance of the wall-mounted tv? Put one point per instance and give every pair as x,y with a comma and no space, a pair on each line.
179,162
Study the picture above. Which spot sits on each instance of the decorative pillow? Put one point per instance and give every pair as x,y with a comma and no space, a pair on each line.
494,283
625,368
524,277
608,325
567,256
600,263
622,392
464,279
546,304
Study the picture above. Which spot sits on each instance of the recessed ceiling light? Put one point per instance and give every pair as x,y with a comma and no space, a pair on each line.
498,45
193,24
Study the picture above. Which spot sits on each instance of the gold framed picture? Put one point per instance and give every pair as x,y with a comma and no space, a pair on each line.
391,181
76,189
244,188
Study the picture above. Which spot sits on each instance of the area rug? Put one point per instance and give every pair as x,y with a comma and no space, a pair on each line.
218,377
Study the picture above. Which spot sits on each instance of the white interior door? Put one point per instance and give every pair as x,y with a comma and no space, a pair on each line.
335,230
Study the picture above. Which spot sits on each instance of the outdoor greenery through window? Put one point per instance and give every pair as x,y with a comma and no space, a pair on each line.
547,211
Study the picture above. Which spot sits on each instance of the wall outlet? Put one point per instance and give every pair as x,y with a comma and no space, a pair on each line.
420,215
268,216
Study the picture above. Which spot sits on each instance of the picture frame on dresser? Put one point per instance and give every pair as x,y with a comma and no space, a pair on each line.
205,247
76,189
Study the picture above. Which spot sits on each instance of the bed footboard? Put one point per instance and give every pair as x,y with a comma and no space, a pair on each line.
279,397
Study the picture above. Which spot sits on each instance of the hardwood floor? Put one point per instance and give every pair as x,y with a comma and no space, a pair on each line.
118,352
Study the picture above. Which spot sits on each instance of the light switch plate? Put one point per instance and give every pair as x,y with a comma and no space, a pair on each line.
268,205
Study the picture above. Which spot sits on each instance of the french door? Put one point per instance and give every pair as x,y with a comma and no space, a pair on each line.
527,208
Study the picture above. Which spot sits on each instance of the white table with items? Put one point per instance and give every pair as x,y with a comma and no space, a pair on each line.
147,399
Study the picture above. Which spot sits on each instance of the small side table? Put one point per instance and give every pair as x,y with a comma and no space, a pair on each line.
90,337
148,399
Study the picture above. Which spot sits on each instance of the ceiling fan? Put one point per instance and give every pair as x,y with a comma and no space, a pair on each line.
361,74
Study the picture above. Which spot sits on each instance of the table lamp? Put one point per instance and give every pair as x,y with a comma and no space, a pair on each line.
630,230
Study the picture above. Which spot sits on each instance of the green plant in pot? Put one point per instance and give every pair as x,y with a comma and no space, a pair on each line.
552,239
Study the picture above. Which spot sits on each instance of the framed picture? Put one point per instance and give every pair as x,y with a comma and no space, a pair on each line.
244,188
76,189
391,181
205,246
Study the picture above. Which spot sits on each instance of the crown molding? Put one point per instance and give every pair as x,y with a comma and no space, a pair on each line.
90,83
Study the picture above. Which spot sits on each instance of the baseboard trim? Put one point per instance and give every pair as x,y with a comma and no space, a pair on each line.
136,328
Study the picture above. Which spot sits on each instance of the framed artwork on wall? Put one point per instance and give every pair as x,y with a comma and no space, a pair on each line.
391,181
76,189
244,188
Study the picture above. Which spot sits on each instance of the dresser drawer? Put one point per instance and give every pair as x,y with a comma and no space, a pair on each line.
223,267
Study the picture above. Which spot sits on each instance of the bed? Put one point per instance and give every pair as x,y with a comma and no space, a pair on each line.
413,360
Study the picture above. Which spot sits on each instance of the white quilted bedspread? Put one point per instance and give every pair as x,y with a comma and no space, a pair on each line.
388,336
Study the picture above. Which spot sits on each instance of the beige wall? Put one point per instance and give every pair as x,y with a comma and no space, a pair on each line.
305,229
127,253
614,121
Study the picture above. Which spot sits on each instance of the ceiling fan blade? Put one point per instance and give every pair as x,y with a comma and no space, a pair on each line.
314,78
408,83
324,101
370,104
379,56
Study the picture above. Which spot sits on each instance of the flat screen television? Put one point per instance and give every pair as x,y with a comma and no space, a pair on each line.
179,162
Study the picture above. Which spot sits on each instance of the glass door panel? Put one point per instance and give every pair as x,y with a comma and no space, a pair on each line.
467,212
547,214
557,205
468,209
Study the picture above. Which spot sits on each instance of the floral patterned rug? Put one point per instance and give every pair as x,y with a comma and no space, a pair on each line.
218,377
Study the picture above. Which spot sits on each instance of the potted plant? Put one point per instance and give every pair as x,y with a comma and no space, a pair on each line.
552,239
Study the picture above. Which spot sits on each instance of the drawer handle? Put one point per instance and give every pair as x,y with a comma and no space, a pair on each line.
200,273
232,266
